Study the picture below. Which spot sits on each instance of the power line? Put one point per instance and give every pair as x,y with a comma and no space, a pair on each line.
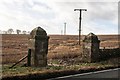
80,18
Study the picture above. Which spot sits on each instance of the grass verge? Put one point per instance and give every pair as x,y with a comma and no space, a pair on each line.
52,71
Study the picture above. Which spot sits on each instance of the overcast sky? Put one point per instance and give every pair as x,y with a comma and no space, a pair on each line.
101,17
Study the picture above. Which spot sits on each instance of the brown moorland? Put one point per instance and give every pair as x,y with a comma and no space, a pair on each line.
63,57
15,46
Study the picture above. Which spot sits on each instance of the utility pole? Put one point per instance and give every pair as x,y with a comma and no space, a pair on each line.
65,28
61,32
80,18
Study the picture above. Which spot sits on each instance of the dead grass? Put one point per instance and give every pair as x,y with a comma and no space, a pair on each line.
14,46
63,51
63,55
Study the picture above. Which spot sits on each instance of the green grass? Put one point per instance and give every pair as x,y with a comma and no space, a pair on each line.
18,70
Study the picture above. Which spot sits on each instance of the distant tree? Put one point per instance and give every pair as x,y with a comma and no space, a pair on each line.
10,31
18,31
4,32
24,32
28,32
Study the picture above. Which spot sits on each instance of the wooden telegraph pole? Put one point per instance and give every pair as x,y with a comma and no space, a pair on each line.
80,18
65,28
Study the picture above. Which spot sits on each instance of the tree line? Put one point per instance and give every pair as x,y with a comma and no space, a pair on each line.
11,31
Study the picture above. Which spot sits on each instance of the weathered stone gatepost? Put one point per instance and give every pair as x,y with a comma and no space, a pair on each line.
38,43
90,48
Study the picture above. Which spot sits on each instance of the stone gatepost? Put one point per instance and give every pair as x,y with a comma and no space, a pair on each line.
90,48
38,43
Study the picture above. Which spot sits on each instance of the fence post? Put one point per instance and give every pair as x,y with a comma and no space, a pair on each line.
29,58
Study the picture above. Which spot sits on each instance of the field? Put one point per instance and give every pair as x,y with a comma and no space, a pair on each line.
15,46
63,54
61,47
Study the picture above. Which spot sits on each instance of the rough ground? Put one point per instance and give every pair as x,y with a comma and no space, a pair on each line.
14,46
63,57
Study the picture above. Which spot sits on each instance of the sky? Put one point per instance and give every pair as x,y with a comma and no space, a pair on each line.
101,17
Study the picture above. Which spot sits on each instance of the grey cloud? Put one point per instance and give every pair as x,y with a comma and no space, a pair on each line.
103,14
95,10
102,10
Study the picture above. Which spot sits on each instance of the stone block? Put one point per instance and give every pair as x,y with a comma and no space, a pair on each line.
90,48
38,43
